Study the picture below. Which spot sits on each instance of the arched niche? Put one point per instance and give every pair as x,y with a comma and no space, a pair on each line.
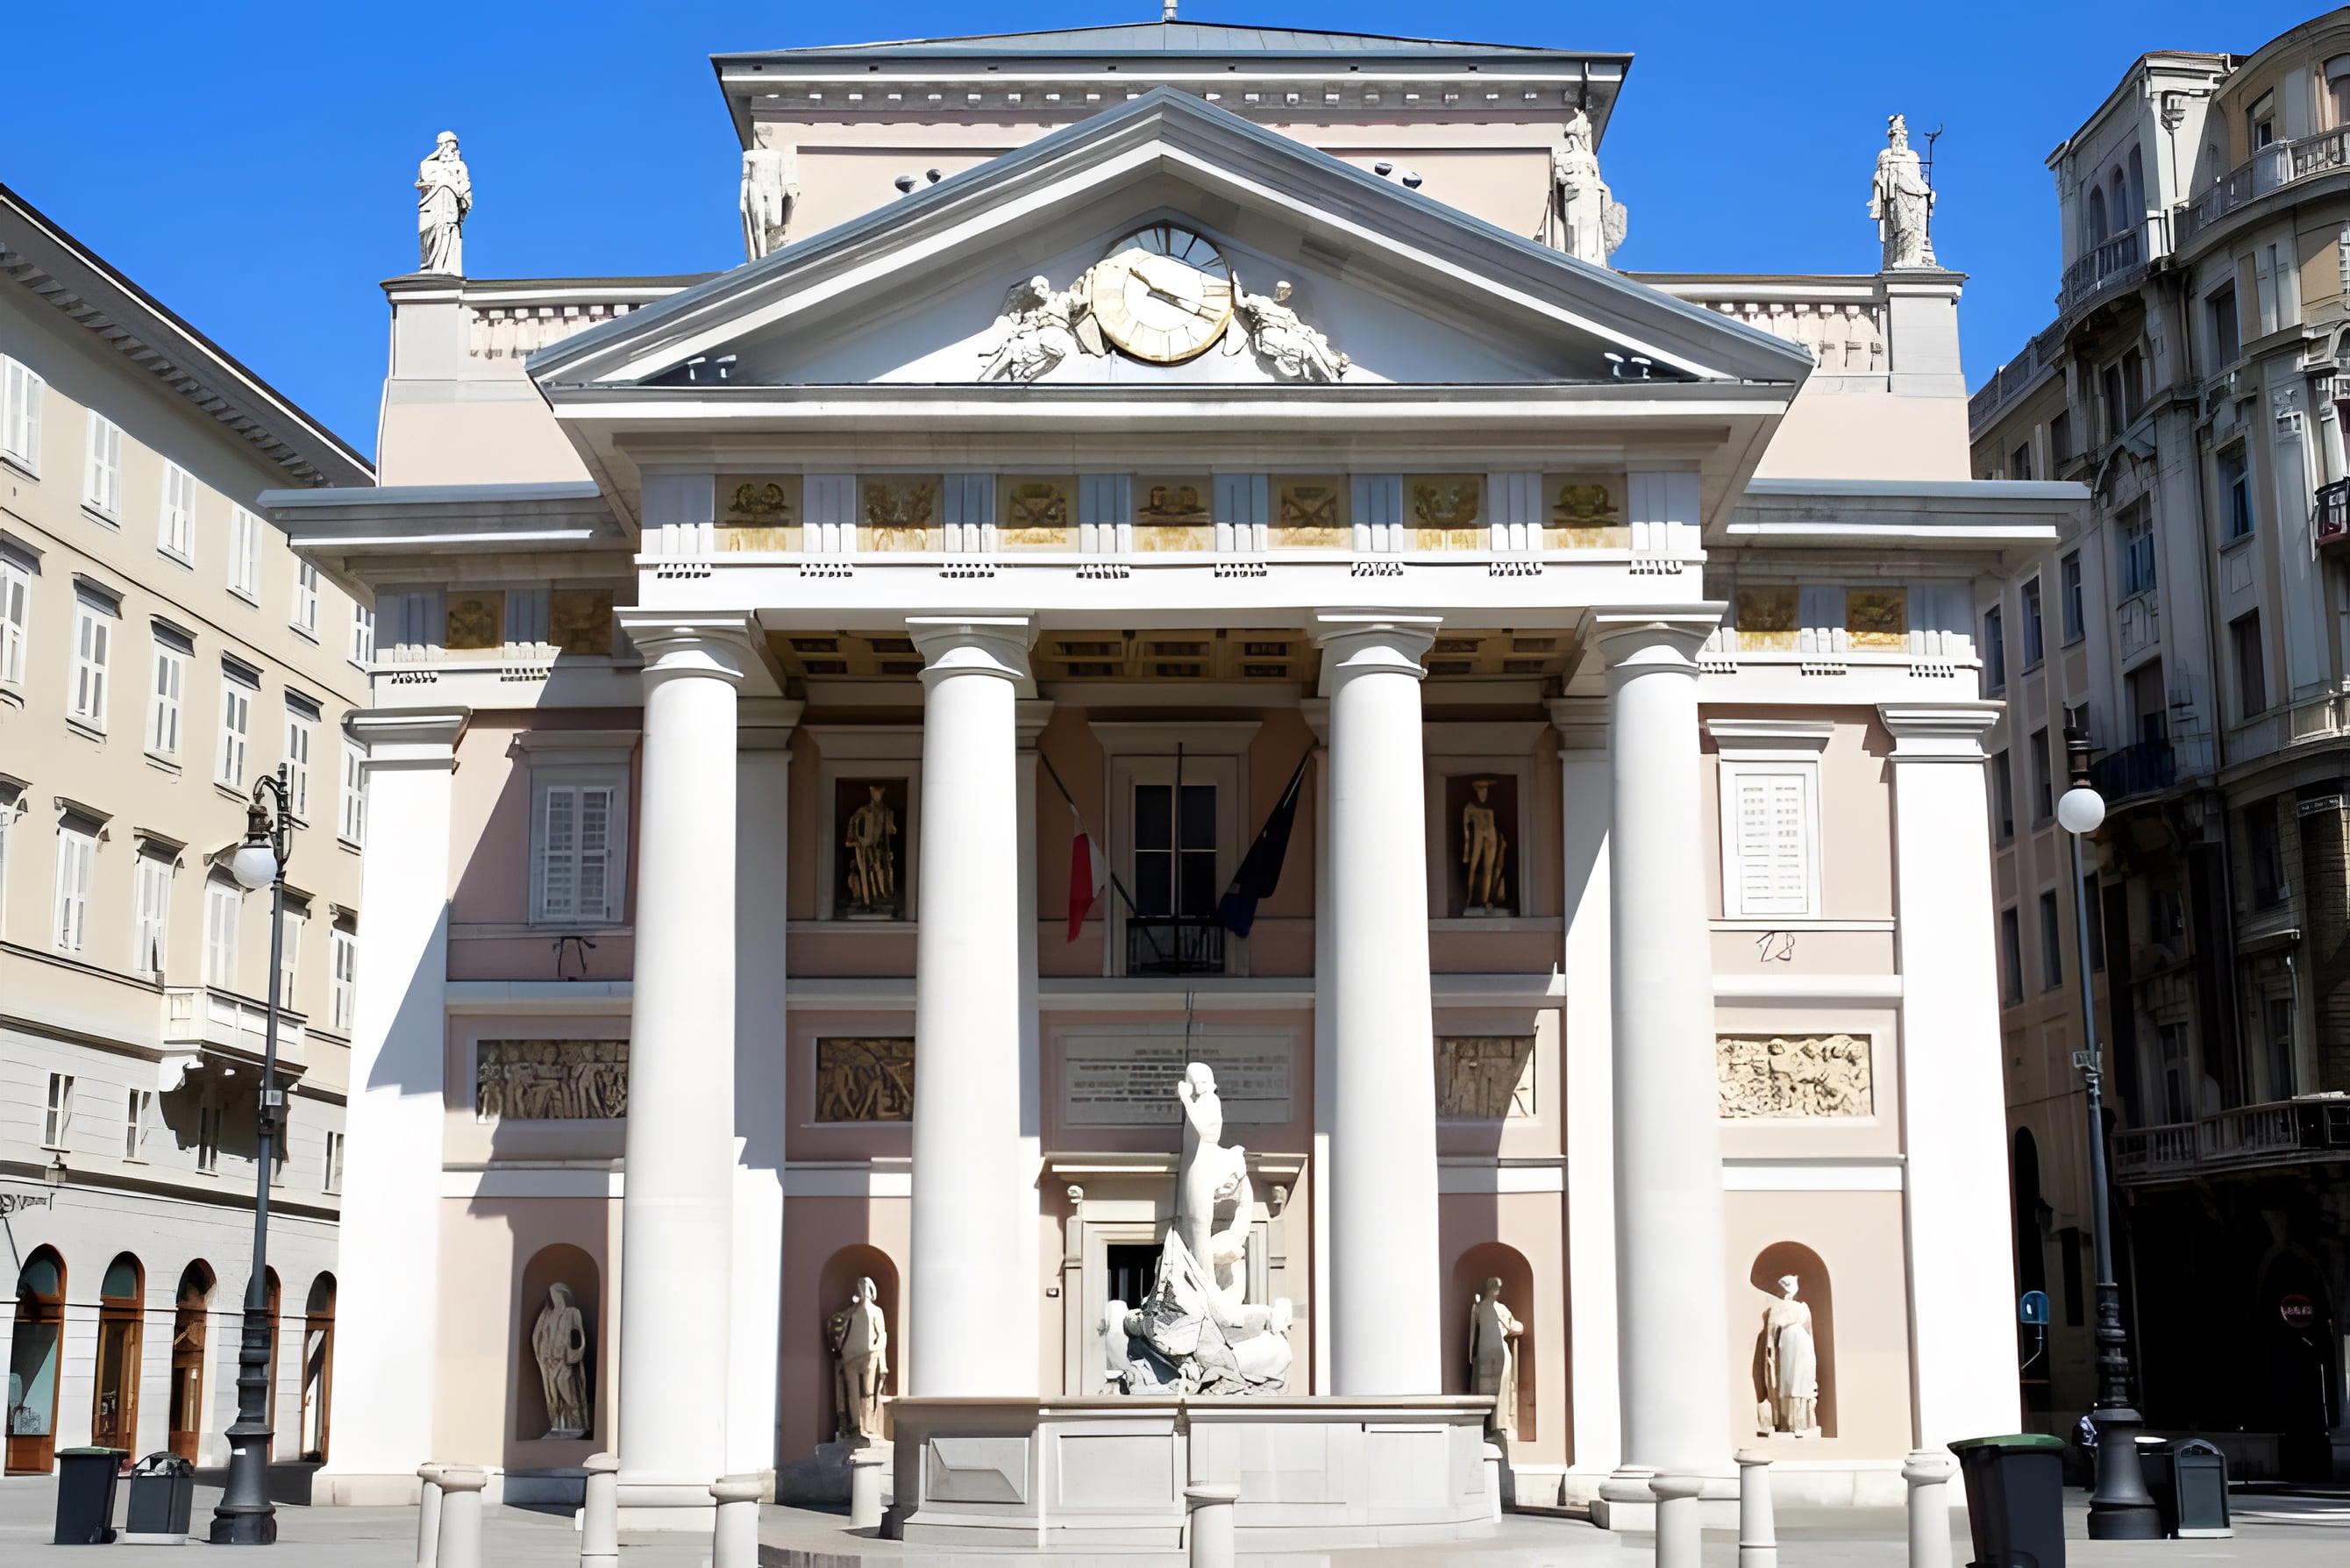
114,1382
835,1285
1494,1261
190,1323
1812,1288
558,1264
35,1353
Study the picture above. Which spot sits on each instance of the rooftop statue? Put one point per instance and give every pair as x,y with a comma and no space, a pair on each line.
769,192
1901,202
1590,222
445,194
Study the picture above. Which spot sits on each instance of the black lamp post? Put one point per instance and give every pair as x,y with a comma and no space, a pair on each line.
2120,1509
245,1516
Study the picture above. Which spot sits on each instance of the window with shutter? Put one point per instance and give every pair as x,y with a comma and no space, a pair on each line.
575,853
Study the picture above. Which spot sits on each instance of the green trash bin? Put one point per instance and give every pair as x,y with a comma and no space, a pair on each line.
86,1496
2015,1499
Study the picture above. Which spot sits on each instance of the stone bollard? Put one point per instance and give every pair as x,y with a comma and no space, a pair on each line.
1493,1483
461,1515
600,1513
428,1515
1679,1539
1758,1530
1928,1472
864,1487
1212,1528
734,1536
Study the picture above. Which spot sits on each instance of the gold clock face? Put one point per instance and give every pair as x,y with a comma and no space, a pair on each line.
1163,293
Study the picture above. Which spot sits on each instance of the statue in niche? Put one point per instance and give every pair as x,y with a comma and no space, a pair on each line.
1591,222
1481,846
1901,202
860,1337
1298,352
445,194
769,193
559,1342
1791,1367
1039,326
870,838
1198,1333
1493,1334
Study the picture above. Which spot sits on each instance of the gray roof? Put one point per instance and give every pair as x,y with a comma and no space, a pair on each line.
1166,38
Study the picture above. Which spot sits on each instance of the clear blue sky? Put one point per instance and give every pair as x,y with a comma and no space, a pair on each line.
251,164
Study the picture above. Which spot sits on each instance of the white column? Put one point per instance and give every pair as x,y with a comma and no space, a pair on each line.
1953,1096
762,802
1315,710
676,1212
1022,1334
963,1279
1672,1324
388,1273
1386,1305
1587,1045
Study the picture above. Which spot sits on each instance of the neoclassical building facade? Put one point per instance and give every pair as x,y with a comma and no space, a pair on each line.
1177,548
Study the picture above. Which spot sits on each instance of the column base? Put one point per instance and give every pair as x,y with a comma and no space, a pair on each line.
1625,1506
668,1505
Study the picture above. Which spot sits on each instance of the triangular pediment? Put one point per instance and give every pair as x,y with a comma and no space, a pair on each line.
1387,285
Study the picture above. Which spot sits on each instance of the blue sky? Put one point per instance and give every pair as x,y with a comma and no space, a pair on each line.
250,164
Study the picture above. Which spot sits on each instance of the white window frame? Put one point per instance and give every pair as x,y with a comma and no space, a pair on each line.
56,1121
150,927
306,598
136,1104
330,1169
573,788
1144,753
224,910
362,634
353,828
343,997
93,659
167,700
175,520
21,390
101,490
76,869
289,957
244,554
301,735
16,617
1771,749
235,732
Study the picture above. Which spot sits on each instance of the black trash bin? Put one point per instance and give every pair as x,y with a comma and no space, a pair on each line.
2015,1499
162,1497
86,1496
2195,1503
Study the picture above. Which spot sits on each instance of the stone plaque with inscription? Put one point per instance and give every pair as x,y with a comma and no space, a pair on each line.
1128,1080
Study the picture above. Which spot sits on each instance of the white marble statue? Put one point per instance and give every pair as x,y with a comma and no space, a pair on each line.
1493,1334
769,192
1590,222
558,1342
1201,1168
1901,202
1791,1367
445,194
860,1336
1040,326
1298,352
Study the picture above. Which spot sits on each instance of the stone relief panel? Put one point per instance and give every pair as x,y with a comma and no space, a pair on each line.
550,1080
579,621
1036,514
865,1080
1311,513
900,513
1586,513
758,511
1484,1077
1444,510
1779,1076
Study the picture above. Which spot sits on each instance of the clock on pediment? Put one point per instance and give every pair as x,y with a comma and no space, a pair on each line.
1164,293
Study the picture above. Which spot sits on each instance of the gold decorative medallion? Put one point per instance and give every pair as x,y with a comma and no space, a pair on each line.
1164,293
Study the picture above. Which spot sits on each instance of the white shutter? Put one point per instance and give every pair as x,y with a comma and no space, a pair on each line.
595,852
1771,819
20,413
558,854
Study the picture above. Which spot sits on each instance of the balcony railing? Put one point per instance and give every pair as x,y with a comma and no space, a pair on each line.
2016,374
1174,944
2272,168
2115,262
199,1019
2281,1132
2141,769
2334,513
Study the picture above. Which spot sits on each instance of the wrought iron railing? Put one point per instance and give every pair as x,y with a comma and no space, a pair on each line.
2315,1126
2141,769
2271,168
2114,262
1174,944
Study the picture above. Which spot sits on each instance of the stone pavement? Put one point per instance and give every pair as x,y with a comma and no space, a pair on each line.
2272,1531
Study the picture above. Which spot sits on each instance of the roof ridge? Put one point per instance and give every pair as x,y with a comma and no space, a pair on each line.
1218,29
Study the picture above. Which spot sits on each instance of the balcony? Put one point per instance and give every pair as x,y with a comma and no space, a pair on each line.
202,1020
2283,1132
2025,371
2141,769
2118,261
1174,944
2334,513
2272,168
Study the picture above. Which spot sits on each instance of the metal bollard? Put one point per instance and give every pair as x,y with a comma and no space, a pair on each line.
1928,1472
864,1487
1757,1528
428,1515
1680,1540
461,1515
735,1538
600,1513
1211,1526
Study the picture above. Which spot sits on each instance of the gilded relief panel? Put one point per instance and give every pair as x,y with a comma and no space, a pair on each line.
1767,618
1780,1075
1586,513
1443,511
899,512
864,1080
579,621
758,511
1311,513
1876,618
473,620
1036,514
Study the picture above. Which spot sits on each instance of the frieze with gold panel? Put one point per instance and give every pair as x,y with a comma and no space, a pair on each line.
1174,513
900,512
1310,513
759,512
1036,513
1585,512
1445,510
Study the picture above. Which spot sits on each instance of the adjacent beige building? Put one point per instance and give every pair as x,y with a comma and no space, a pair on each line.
160,650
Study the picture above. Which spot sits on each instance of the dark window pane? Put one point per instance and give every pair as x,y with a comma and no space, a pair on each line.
1199,815
1150,810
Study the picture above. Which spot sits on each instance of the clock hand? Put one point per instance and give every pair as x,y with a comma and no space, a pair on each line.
1177,300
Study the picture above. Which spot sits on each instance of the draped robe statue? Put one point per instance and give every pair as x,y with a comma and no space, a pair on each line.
860,1352
769,193
1493,1332
445,194
1591,223
1791,1367
558,1342
1901,202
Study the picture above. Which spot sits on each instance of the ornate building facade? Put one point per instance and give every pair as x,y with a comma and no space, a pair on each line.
1177,548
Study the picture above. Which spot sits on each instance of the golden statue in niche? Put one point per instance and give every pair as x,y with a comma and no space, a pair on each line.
868,837
1482,845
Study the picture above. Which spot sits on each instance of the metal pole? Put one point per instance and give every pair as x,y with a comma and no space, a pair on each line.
2120,1508
245,1516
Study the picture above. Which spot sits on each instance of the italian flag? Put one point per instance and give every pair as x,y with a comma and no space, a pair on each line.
1089,874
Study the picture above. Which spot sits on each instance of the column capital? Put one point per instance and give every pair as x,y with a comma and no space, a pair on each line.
1029,717
725,644
1363,642
409,737
765,724
1657,636
1939,731
974,645
1581,723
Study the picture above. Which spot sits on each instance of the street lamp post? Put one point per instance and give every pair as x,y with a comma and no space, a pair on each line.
245,1515
2120,1509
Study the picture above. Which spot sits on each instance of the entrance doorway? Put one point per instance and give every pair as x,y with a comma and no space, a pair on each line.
33,1357
190,1313
121,1330
318,1367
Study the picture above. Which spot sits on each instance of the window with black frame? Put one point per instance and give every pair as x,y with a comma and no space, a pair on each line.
1173,929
